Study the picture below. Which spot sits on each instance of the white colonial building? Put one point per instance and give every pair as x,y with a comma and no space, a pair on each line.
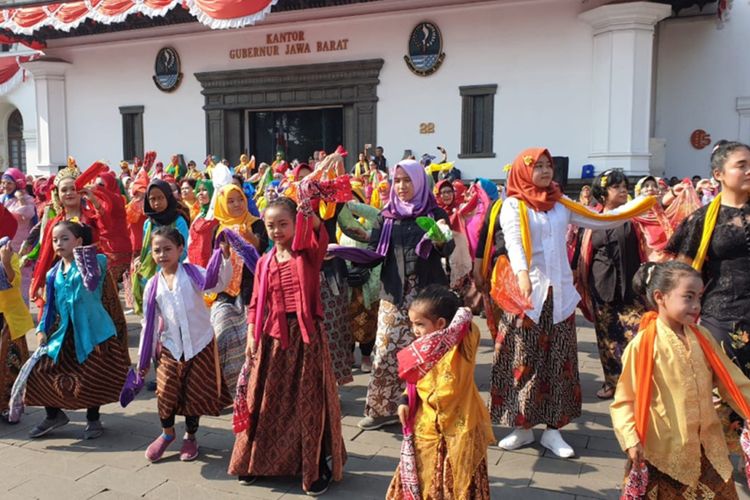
613,84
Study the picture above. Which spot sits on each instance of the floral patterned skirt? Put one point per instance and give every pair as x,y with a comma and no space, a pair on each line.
364,320
535,372
615,324
394,333
734,339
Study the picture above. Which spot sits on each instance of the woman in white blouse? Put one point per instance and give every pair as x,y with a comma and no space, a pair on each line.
535,369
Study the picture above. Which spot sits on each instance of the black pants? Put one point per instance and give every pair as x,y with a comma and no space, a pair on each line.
191,423
365,349
92,414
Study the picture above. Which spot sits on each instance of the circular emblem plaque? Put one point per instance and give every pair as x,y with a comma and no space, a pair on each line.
700,139
167,67
425,49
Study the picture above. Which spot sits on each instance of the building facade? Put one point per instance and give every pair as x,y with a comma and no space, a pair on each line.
613,85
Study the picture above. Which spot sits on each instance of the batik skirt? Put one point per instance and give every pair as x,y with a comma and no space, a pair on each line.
13,354
710,485
470,295
615,324
229,322
190,388
734,339
535,371
295,415
70,385
338,327
364,320
385,388
442,487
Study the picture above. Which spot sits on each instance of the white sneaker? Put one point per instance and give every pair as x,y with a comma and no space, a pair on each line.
554,442
516,439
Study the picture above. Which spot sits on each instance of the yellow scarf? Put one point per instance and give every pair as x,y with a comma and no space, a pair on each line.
644,205
490,236
712,214
438,167
221,211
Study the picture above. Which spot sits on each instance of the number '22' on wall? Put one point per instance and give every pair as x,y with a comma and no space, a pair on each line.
427,128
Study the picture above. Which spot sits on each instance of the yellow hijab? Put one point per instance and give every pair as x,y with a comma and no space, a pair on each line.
221,210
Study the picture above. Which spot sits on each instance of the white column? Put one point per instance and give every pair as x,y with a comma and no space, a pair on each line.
743,109
621,90
51,126
32,151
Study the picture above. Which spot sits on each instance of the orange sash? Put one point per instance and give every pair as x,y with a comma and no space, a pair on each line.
645,370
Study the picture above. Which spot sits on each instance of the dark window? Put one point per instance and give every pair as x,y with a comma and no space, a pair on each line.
477,121
295,132
132,132
16,144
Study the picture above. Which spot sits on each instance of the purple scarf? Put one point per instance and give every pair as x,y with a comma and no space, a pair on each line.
134,381
422,203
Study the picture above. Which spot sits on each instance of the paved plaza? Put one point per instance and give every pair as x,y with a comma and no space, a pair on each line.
62,466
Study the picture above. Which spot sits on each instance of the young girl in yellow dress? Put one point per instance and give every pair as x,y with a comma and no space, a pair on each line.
663,413
443,411
15,321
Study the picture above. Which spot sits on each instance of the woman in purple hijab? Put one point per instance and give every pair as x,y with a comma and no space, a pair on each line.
410,261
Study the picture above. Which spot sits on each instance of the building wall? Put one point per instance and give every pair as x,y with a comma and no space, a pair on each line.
537,52
703,67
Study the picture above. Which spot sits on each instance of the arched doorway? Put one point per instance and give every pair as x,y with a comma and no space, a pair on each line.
16,144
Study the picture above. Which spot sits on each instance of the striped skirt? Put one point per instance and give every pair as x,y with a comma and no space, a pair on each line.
295,415
230,325
98,380
189,388
72,386
13,354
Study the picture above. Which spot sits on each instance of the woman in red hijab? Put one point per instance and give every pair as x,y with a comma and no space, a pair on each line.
452,197
114,238
535,368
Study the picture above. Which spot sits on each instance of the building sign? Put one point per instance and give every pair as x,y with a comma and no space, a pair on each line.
425,49
289,43
167,74
700,139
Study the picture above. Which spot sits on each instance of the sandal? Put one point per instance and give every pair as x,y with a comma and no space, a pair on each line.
606,392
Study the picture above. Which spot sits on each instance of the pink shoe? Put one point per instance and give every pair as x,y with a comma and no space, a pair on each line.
189,450
156,450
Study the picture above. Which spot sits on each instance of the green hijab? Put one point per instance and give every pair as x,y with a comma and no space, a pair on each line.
209,185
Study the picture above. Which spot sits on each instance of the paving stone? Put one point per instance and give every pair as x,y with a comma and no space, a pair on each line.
603,444
44,487
113,495
122,480
375,466
173,490
114,466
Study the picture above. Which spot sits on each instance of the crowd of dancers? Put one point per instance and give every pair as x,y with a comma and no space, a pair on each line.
256,283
